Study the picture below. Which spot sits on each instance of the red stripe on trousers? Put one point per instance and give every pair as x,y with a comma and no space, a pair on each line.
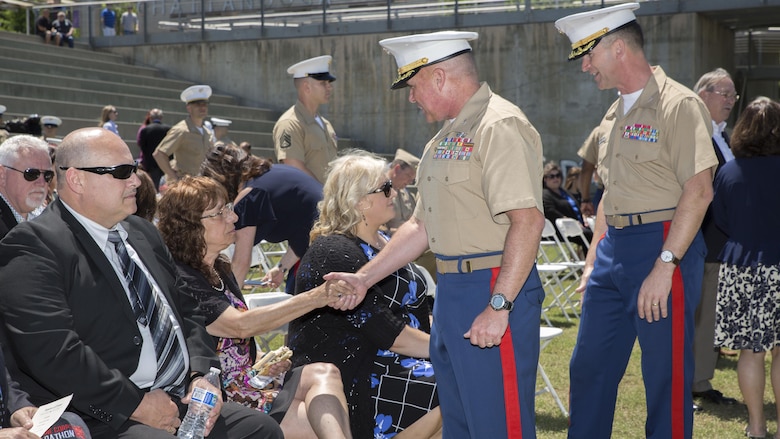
678,349
514,426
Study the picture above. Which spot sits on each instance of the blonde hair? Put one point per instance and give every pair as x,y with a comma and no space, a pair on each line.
108,109
350,178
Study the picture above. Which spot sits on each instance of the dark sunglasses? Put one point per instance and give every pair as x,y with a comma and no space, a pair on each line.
558,175
386,189
120,172
32,174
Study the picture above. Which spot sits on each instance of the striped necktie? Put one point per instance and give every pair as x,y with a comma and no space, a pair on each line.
150,310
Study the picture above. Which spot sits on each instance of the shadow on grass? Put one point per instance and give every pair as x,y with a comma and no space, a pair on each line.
551,422
559,321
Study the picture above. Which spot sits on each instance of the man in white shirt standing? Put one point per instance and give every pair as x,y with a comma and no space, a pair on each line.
716,89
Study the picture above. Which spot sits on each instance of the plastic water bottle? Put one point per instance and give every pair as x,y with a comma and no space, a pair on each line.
194,424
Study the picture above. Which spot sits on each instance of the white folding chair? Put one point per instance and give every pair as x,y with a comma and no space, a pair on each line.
571,228
261,299
430,284
559,275
264,256
546,334
553,251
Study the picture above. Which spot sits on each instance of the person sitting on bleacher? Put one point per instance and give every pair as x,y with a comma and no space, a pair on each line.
62,30
43,26
196,221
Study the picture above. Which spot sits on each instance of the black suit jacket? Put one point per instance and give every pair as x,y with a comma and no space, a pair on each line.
7,219
148,139
13,397
714,238
68,320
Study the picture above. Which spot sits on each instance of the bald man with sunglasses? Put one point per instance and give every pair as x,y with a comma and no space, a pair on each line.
25,173
91,306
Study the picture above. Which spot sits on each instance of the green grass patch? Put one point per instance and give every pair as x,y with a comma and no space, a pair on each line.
715,422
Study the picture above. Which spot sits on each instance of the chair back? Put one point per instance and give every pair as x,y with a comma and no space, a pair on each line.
571,228
551,250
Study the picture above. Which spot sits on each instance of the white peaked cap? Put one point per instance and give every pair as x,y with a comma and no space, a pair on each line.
586,29
413,52
196,93
317,68
51,120
217,122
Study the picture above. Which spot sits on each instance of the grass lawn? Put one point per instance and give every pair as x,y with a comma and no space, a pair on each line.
715,422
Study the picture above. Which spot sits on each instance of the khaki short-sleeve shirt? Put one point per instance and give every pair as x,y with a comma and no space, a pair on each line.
589,150
404,208
648,154
297,135
188,146
485,162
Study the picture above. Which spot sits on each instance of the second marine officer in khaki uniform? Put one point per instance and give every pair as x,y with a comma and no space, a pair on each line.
302,137
188,141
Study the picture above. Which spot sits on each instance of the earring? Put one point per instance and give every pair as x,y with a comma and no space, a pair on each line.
364,219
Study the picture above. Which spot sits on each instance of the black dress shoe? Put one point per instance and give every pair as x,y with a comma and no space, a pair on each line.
715,397
697,408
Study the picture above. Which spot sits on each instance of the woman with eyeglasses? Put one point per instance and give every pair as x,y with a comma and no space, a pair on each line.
275,203
197,222
108,119
559,203
381,346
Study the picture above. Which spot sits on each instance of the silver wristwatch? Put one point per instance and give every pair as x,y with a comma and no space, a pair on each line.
667,256
499,302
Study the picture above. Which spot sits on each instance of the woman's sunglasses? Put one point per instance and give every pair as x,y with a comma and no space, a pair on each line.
386,188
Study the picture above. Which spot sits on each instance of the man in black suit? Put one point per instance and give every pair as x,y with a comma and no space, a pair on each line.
25,173
148,139
717,91
77,324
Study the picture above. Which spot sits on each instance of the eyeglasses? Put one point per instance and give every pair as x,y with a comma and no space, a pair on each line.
386,188
120,172
227,208
32,174
551,176
726,94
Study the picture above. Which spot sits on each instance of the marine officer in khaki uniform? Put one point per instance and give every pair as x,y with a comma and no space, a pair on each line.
302,137
402,172
480,211
188,141
221,128
643,278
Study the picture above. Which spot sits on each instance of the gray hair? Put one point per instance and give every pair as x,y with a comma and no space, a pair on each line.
11,149
709,79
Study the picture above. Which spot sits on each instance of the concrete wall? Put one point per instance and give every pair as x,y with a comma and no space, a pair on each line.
524,63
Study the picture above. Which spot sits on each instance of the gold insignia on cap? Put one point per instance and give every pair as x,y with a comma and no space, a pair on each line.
412,65
591,37
579,51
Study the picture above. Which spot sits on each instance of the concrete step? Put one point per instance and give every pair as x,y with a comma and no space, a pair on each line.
61,102
113,74
67,58
34,43
81,83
